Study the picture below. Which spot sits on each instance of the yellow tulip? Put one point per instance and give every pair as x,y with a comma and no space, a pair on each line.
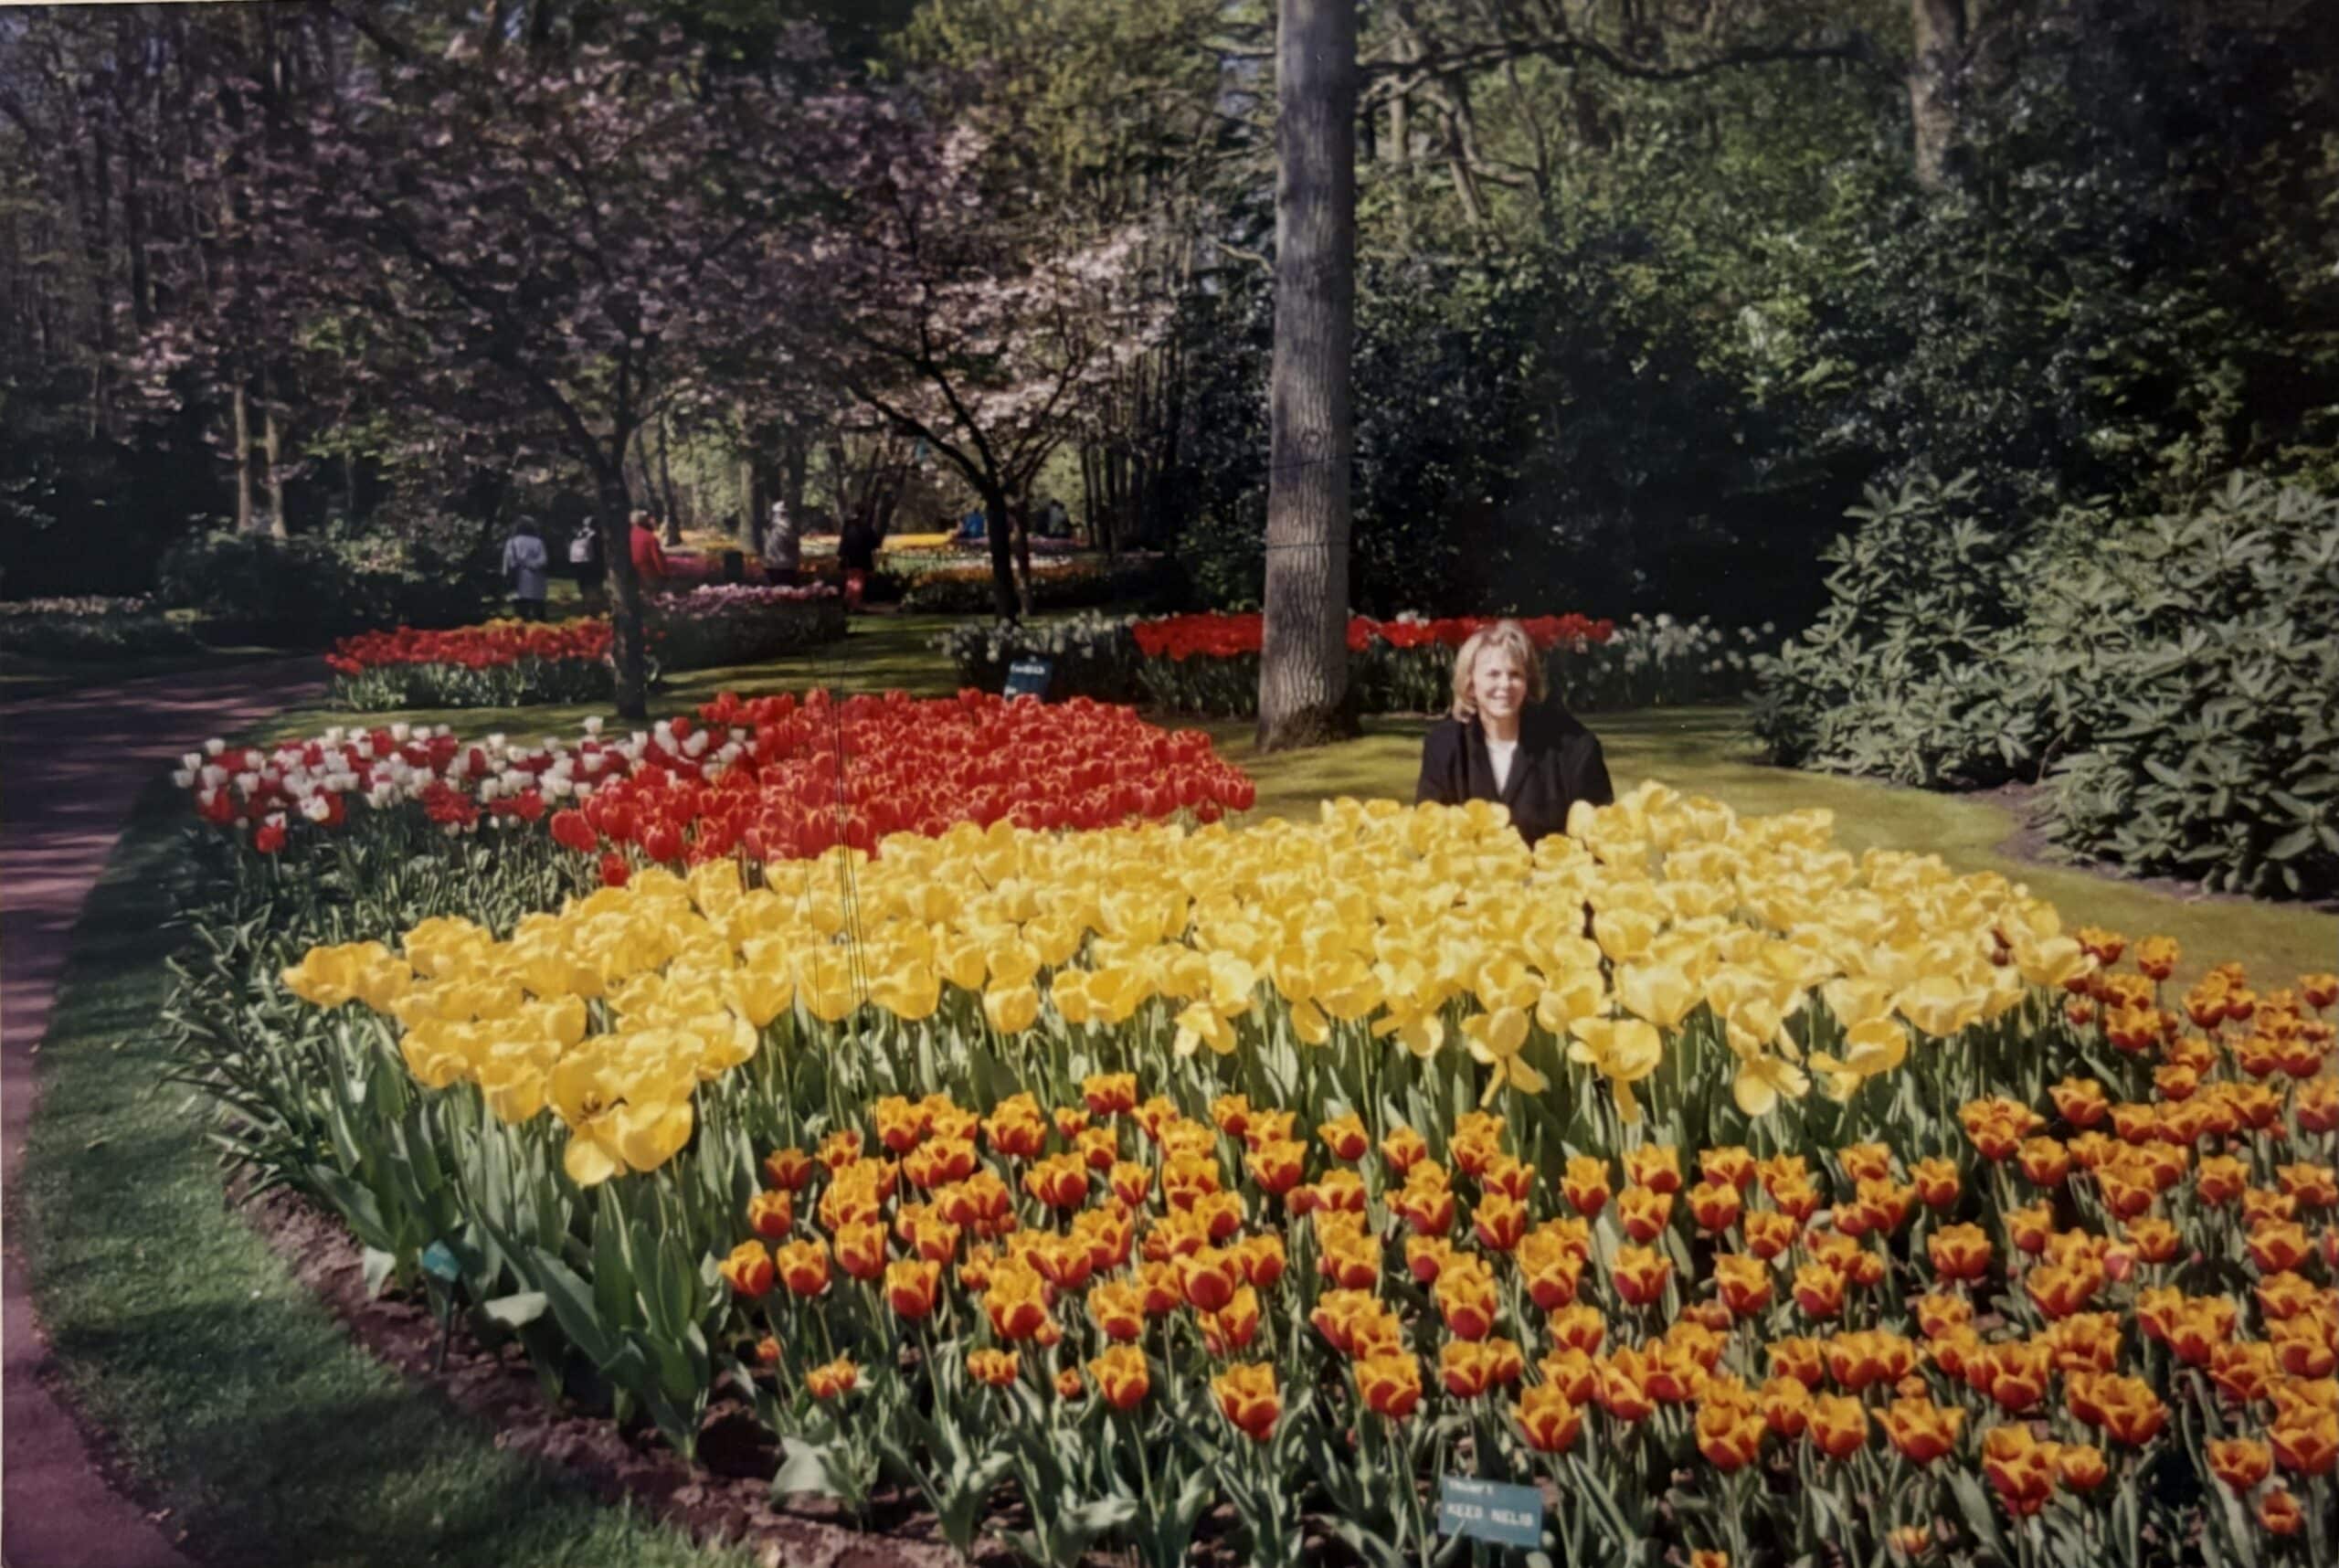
1346,987
829,983
909,988
1660,992
1623,1051
1497,1039
1012,1009
430,1054
760,993
2053,962
1199,1024
1231,983
650,1135
1878,1046
1068,991
1505,982
1580,993
1762,1079
1624,934
1116,992
1940,1004
1010,963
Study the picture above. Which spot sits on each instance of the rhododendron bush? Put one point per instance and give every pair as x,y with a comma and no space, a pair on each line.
1745,1194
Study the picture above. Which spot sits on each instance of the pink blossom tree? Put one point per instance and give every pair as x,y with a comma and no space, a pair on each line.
970,309
565,228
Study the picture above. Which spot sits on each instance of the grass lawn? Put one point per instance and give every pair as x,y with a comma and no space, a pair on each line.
228,1388
1697,750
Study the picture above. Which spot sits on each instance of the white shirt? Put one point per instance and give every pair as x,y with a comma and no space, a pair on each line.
1499,753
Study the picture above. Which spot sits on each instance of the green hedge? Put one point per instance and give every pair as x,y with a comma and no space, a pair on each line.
91,630
2170,677
308,590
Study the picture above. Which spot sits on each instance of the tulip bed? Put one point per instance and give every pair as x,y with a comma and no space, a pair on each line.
515,663
504,663
770,777
1744,1194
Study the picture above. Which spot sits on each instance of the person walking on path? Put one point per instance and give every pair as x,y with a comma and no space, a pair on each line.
61,821
857,557
527,566
783,547
649,555
591,566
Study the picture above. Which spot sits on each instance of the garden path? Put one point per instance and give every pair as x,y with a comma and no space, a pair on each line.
76,764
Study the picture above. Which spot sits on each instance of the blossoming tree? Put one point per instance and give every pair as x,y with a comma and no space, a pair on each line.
969,310
564,228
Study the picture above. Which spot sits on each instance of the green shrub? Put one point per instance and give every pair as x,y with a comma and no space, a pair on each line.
307,590
2173,674
1897,678
2187,668
90,629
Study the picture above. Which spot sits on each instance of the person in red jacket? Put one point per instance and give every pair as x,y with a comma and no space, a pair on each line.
648,556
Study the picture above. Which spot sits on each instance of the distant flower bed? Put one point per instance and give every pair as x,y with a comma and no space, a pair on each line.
1217,636
1209,664
514,663
89,626
1060,582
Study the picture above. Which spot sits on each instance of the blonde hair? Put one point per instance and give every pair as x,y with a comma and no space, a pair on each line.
1502,637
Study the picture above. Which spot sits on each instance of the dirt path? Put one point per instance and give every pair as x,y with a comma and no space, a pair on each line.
75,764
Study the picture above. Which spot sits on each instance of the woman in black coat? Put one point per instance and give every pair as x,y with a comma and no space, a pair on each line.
1504,743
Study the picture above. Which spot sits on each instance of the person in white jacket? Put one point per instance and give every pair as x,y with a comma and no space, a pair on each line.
783,545
527,566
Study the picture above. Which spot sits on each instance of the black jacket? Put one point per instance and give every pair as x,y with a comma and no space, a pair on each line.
1558,763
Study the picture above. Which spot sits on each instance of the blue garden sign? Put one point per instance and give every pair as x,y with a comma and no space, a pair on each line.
1490,1510
1030,678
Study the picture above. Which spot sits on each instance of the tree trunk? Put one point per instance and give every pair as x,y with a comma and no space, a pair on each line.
239,413
1088,492
1019,519
795,469
627,648
750,529
1940,29
666,486
273,453
1002,558
1303,664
